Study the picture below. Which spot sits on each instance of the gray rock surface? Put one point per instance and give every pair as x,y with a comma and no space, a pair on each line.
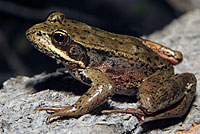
184,5
19,96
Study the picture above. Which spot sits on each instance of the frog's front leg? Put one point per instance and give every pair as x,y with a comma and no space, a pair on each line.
101,89
163,97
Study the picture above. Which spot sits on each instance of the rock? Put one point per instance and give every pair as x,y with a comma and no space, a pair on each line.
184,5
20,95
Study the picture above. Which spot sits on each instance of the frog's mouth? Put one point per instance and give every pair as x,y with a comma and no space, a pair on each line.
48,52
37,43
54,55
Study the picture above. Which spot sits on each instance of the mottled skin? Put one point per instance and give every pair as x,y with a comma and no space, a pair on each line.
114,64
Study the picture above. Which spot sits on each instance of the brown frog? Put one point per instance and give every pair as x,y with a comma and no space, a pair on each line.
114,64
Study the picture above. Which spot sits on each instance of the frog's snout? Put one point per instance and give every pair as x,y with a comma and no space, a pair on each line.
30,34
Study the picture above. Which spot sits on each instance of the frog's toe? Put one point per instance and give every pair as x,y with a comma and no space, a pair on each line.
49,118
36,109
55,109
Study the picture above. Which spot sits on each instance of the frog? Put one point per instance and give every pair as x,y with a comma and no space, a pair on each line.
110,64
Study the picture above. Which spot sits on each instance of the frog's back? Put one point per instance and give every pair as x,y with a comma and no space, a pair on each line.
95,37
119,45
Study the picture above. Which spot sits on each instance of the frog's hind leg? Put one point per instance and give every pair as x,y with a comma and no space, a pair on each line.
163,98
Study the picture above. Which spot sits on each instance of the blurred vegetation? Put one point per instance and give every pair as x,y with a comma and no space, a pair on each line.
18,57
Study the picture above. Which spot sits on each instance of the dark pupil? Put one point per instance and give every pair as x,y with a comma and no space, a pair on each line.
59,37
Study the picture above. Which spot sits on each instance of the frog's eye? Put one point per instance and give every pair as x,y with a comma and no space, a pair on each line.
60,38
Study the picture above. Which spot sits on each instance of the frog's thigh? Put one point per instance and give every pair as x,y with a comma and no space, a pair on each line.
102,88
162,89
172,99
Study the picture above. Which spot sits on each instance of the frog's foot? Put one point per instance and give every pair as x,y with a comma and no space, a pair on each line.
59,111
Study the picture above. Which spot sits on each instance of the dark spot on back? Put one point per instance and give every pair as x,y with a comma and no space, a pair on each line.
149,60
132,64
86,31
156,57
75,28
142,64
121,43
82,37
